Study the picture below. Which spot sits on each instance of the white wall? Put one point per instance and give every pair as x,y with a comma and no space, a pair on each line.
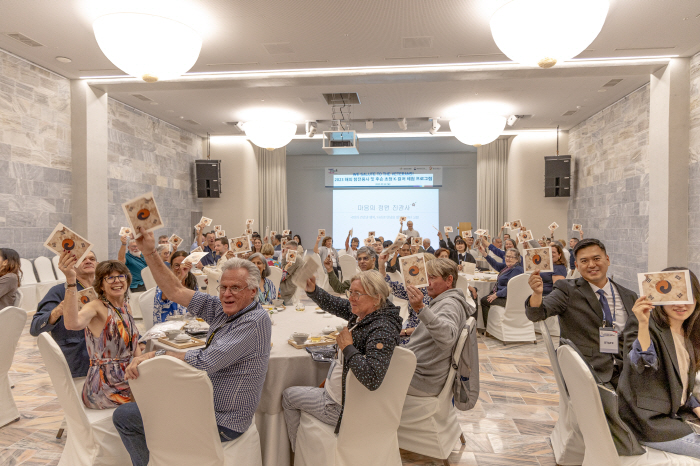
239,186
310,203
526,199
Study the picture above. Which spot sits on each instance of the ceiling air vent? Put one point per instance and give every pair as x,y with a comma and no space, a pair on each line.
191,122
417,42
569,113
347,98
612,83
142,97
24,39
278,48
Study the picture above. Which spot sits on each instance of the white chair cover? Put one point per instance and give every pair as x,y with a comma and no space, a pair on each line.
29,288
468,268
147,277
275,276
575,274
567,440
511,323
463,285
28,277
59,274
175,398
12,320
146,306
92,438
586,402
360,442
44,287
429,424
135,304
317,258
213,280
348,265
19,296
44,269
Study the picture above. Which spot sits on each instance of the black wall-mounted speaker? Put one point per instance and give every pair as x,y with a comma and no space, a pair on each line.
557,176
208,174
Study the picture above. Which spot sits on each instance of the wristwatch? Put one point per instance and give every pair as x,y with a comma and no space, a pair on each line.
160,352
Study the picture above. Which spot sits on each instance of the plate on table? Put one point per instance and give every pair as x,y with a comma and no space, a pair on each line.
280,308
320,311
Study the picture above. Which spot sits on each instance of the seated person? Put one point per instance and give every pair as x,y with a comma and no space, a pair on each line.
394,265
268,251
441,323
375,324
266,289
49,318
459,251
378,247
297,238
111,335
366,260
427,247
134,262
443,253
287,287
656,385
10,276
351,245
164,251
559,266
235,357
499,253
506,271
584,304
162,306
327,250
257,244
220,250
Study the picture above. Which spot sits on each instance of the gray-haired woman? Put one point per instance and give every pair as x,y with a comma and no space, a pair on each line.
266,290
506,271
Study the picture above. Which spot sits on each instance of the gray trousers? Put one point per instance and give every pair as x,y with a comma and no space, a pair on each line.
312,400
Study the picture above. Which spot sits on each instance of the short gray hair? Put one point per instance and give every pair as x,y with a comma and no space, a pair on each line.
253,280
369,251
374,285
161,247
442,268
266,273
514,251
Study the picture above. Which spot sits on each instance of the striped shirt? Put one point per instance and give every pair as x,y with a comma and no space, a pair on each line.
236,360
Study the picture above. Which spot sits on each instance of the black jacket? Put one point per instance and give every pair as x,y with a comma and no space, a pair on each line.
580,317
454,255
71,342
373,340
650,395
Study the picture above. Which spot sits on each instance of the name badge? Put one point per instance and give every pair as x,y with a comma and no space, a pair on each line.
609,341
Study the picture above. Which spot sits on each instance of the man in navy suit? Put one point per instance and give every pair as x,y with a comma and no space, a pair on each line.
586,306
49,318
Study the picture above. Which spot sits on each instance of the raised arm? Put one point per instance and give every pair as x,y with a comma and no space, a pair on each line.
318,238
336,306
165,279
72,318
538,308
121,256
200,238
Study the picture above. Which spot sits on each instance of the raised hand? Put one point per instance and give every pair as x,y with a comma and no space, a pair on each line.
642,309
415,297
535,282
66,264
328,263
310,285
146,242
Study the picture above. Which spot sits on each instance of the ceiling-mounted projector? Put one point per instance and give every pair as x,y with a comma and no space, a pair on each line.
340,142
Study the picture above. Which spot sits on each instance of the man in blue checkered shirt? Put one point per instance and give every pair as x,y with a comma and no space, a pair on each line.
235,357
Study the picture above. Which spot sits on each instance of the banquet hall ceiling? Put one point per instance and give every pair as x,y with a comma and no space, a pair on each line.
268,35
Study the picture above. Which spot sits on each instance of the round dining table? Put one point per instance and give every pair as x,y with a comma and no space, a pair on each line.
288,367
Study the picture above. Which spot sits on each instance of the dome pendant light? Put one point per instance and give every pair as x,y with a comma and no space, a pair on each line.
477,129
547,32
270,134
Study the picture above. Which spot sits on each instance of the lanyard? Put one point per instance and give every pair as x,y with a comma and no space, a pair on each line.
231,319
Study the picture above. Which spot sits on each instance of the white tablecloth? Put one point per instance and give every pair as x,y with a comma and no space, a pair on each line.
288,367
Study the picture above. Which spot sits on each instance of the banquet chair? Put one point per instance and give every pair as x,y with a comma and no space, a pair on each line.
463,284
213,281
360,442
59,274
147,277
275,276
44,269
177,402
566,437
429,424
92,438
146,306
19,296
29,286
348,265
510,323
586,403
468,268
12,320
317,258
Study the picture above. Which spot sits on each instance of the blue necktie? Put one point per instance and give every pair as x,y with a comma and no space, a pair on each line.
606,308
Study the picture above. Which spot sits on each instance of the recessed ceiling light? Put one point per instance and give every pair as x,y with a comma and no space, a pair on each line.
64,59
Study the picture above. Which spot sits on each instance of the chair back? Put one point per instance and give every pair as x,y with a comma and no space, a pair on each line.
446,392
588,408
59,274
552,354
575,274
317,258
383,406
146,302
44,269
469,268
12,320
213,281
147,277
28,277
518,292
18,297
62,381
275,276
348,265
463,285
175,398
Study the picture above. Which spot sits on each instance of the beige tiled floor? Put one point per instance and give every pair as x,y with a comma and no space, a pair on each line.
510,424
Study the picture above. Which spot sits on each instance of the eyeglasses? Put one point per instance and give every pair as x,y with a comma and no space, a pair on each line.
121,278
364,259
232,289
354,294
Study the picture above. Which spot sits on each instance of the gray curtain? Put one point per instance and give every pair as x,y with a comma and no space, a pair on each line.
492,185
272,188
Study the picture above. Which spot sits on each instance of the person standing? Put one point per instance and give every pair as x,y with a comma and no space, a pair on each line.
134,261
410,232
